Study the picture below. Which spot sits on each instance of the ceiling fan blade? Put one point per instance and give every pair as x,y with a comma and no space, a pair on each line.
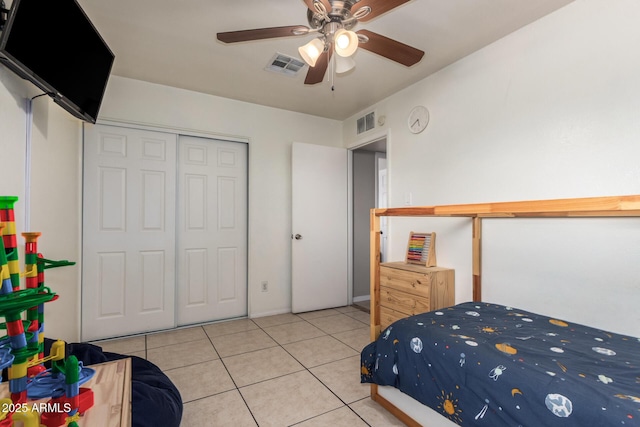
378,7
391,49
316,74
262,33
326,4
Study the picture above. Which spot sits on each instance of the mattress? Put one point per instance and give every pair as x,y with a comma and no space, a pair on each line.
482,364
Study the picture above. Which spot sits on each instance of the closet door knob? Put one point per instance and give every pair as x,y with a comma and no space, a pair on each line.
298,237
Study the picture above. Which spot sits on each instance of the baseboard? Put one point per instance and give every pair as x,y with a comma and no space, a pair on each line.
361,298
270,313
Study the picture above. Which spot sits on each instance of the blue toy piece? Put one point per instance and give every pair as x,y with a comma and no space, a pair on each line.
47,384
6,358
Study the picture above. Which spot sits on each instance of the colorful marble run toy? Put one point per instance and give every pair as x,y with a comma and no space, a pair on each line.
7,217
22,349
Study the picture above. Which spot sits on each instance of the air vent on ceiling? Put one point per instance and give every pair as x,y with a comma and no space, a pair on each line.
285,64
366,122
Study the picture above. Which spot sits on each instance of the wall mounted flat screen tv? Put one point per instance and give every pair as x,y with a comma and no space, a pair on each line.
54,45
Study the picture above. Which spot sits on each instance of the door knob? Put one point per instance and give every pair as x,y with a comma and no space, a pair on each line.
298,237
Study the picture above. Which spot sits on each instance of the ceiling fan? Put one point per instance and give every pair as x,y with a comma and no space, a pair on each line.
333,20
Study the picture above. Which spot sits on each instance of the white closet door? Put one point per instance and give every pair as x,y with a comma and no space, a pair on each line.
212,238
128,266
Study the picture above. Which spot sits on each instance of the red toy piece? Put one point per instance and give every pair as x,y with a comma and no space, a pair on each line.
58,418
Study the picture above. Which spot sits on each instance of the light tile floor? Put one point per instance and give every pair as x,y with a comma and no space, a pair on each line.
285,370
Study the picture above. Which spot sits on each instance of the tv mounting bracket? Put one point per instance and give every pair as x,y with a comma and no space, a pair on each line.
3,15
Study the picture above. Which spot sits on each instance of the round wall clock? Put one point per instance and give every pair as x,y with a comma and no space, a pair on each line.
418,119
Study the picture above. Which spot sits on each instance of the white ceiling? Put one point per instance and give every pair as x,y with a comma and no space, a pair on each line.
174,43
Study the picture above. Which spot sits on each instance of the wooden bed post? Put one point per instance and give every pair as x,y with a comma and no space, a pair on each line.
374,279
477,258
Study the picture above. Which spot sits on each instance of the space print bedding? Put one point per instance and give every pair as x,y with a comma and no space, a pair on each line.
482,364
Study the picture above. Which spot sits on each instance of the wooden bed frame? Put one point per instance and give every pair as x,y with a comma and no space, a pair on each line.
614,206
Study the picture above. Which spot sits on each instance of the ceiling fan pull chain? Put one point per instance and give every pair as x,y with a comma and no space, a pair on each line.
332,71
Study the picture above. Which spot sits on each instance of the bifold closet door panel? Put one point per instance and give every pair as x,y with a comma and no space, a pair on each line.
129,234
212,230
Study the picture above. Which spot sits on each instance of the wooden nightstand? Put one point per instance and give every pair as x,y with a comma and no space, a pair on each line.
408,289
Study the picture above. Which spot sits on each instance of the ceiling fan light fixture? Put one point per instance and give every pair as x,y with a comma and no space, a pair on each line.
344,64
311,51
346,42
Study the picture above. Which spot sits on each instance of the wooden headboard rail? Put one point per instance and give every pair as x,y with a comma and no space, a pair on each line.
612,206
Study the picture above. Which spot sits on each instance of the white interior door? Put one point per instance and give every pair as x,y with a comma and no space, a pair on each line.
128,274
319,227
212,239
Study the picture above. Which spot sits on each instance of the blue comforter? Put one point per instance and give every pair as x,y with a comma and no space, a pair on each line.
482,364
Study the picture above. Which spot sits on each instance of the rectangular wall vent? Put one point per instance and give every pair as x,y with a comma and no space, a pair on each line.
285,64
366,122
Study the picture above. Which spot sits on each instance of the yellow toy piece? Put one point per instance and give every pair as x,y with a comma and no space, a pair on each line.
18,370
31,272
29,418
56,353
25,416
72,419
4,403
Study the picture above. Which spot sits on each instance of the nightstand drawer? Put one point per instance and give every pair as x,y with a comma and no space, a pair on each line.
388,316
433,287
417,283
403,301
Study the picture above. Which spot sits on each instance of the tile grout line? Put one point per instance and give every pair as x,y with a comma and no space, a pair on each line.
237,389
308,369
303,366
319,380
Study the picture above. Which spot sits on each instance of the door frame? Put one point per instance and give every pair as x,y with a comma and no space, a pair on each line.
374,137
171,129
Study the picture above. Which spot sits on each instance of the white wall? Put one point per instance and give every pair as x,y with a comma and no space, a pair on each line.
56,176
550,111
54,196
